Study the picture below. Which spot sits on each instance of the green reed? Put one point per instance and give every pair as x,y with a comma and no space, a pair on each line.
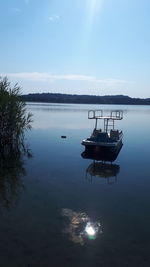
14,120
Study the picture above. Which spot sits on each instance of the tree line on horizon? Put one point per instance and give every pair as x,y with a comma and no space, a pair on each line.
84,99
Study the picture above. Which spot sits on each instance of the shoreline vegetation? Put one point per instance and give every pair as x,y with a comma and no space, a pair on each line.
14,120
84,99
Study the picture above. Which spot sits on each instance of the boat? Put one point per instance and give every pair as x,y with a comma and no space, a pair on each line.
108,139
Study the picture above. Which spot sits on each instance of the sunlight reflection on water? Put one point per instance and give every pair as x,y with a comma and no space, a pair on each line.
80,227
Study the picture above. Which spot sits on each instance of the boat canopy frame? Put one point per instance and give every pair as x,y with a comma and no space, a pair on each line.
109,120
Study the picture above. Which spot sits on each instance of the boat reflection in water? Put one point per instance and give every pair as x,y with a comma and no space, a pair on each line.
79,227
102,166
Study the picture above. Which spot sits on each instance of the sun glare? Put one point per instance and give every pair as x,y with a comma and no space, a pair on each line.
94,7
90,230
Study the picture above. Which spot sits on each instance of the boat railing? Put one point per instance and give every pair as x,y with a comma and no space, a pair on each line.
98,114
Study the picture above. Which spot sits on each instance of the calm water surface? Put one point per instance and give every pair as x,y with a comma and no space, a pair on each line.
47,200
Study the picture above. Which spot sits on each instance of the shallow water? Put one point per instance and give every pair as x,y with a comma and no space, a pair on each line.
46,201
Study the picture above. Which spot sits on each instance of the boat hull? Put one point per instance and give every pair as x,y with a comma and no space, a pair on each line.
110,151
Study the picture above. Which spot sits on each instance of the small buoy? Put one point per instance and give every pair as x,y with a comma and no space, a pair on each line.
63,136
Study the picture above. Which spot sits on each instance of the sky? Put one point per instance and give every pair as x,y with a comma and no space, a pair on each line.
99,47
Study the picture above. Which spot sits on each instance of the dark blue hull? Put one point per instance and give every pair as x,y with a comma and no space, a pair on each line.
102,153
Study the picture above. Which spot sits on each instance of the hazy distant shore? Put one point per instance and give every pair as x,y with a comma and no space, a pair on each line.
84,99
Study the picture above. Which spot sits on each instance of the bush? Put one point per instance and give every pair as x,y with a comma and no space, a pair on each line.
13,118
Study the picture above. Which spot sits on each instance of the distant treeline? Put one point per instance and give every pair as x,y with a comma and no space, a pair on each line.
85,99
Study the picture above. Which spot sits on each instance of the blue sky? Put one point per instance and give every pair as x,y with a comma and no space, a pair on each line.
77,46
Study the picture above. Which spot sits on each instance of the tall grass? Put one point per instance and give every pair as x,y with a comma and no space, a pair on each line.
14,120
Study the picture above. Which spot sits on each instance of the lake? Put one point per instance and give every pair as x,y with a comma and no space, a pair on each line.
48,198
